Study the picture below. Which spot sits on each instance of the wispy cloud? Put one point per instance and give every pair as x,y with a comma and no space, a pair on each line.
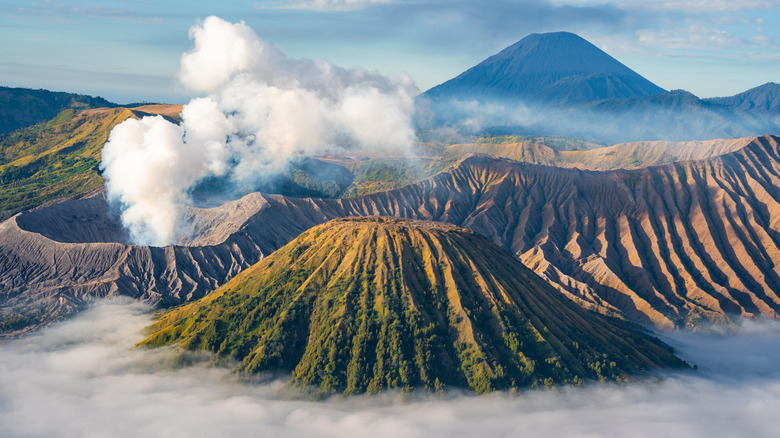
525,15
690,6
321,5
692,37
78,10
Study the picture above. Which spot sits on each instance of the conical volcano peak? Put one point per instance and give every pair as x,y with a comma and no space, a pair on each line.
562,52
364,305
550,67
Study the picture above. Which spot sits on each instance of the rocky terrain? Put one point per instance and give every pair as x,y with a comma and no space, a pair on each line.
364,305
671,245
631,155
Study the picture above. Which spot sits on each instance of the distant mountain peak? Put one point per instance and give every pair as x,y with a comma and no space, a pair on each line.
550,67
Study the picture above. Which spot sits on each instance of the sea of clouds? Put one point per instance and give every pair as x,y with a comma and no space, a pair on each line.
84,378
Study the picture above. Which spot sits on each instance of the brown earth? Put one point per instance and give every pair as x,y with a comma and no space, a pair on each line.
172,111
620,156
671,245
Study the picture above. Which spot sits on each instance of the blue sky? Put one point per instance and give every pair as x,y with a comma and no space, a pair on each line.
128,50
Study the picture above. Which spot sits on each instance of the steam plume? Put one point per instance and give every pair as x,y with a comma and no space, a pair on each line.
262,108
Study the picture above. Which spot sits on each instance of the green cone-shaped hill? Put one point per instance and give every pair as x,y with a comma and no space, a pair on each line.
362,305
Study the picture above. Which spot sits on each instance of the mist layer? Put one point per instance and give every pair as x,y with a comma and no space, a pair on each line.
83,378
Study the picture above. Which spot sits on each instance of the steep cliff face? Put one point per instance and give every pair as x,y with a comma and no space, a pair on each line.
363,305
76,255
669,245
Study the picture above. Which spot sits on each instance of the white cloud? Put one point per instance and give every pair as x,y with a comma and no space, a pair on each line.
765,41
693,37
262,109
83,378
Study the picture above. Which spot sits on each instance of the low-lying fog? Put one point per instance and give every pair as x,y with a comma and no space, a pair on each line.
83,378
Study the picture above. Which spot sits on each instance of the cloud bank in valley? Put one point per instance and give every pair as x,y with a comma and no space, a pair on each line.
261,109
83,378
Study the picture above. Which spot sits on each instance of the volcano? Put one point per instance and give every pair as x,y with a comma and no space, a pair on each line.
554,67
363,305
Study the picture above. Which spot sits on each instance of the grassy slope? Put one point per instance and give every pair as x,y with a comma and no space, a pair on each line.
55,159
363,305
22,107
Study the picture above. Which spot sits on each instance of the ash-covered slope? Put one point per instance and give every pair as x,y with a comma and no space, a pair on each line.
363,305
77,255
670,245
632,155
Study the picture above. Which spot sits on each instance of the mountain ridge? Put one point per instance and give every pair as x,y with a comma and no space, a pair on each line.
674,245
764,98
59,158
22,107
558,84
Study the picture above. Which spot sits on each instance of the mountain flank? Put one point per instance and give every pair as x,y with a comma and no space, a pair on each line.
363,305
632,155
762,99
60,157
557,67
22,107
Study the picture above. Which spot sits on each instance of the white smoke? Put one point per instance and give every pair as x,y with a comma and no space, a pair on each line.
83,378
262,108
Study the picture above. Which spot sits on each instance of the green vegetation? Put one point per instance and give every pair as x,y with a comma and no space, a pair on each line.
321,179
55,159
22,107
557,143
377,175
364,305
